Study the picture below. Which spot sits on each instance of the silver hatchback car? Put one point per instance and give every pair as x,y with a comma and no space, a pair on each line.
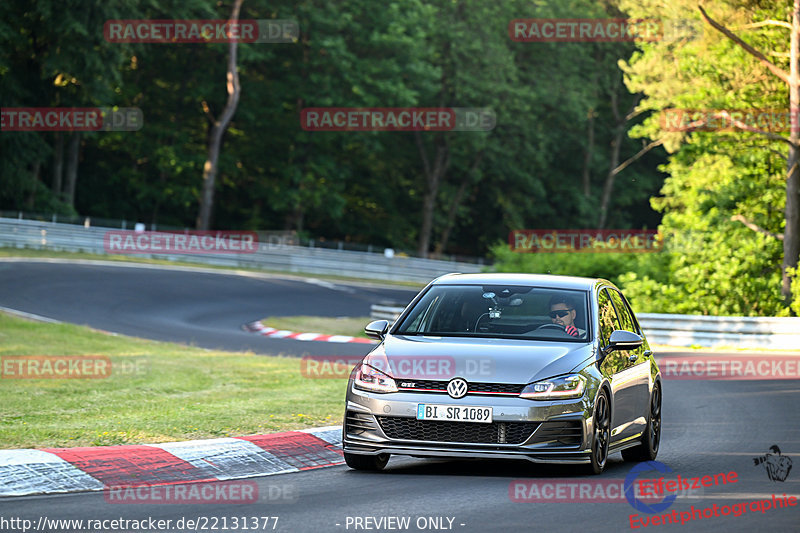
515,366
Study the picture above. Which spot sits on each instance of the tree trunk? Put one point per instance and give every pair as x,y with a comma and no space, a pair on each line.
587,157
433,176
616,143
162,180
615,167
30,201
58,164
218,128
791,232
428,206
457,199
295,219
72,168
586,177
608,186
451,217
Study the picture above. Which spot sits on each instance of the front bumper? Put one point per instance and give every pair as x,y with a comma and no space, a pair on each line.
538,431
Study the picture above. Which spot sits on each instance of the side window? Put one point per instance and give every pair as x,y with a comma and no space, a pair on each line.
624,314
633,315
606,316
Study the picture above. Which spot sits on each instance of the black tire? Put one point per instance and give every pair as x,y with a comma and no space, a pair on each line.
648,449
370,463
601,433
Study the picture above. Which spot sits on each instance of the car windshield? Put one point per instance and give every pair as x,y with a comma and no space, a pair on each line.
503,311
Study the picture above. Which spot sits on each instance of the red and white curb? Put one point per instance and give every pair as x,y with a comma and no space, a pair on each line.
54,470
261,329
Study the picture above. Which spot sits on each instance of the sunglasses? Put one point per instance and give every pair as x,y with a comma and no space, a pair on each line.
561,313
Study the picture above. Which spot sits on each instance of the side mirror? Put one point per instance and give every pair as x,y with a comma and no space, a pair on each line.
377,329
623,340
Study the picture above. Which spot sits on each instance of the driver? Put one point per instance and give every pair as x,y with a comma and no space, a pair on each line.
562,312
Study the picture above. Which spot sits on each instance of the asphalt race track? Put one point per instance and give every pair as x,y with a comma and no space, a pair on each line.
710,427
203,309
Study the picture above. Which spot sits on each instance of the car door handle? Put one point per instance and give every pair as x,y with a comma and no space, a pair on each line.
632,357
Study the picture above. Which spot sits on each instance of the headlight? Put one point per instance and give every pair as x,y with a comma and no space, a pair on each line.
561,388
368,377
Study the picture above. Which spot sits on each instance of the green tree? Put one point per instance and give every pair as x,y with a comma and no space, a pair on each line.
717,180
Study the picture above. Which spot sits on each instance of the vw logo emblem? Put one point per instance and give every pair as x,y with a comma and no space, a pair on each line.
457,388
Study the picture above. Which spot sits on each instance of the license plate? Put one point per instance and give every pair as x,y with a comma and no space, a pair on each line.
454,413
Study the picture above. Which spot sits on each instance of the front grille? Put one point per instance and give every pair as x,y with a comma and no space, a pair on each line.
560,433
503,388
426,385
429,385
466,432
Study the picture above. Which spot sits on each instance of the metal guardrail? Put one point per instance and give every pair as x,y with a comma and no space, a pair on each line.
384,312
291,237
780,333
777,333
39,235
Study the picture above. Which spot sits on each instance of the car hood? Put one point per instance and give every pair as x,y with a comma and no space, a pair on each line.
479,360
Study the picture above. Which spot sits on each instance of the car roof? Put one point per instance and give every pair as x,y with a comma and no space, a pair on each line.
538,280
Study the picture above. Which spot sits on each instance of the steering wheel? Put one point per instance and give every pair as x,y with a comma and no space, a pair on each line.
562,329
553,326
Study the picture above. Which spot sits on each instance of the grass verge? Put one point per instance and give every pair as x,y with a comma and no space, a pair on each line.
156,392
320,324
